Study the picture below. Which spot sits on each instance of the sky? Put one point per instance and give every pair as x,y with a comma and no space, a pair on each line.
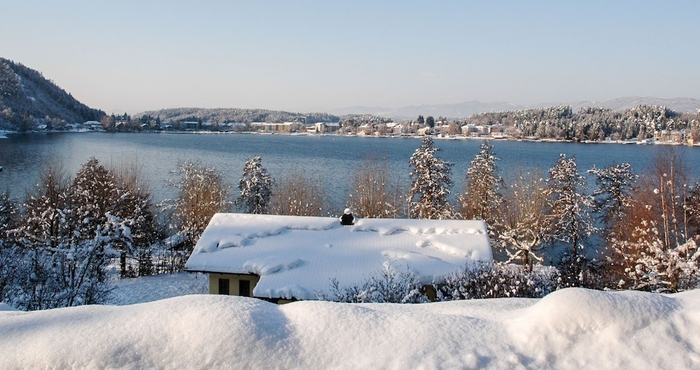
305,56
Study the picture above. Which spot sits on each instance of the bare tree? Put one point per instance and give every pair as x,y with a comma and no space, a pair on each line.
523,223
373,194
297,195
659,248
202,192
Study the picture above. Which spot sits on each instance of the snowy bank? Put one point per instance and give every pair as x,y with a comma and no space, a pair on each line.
569,329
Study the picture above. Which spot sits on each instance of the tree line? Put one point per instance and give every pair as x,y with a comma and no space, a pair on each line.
61,244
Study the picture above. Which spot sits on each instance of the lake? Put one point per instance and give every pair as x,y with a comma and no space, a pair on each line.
331,159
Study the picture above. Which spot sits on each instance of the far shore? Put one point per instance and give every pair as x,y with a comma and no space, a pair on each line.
3,135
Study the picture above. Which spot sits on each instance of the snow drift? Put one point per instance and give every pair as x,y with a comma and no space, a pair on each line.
569,329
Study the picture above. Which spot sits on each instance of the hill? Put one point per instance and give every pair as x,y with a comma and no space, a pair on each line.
467,109
28,99
221,115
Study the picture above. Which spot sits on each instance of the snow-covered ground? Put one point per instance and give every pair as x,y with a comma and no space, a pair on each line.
569,329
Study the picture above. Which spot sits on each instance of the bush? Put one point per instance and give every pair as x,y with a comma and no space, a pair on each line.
489,280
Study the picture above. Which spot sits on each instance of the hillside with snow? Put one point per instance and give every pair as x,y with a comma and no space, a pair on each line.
568,329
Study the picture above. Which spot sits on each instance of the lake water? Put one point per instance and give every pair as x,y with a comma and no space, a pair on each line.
332,159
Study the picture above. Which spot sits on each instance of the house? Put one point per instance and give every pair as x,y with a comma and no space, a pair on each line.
287,258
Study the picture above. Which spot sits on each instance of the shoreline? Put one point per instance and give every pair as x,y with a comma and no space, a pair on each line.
3,135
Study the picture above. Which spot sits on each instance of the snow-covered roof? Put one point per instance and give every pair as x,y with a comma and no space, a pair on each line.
297,257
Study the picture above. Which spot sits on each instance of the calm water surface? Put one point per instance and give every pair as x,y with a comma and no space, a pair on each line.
332,159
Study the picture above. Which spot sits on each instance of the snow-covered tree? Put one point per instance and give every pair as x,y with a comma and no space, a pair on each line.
373,194
202,192
430,183
136,215
255,187
570,208
9,219
61,263
295,194
93,195
482,187
94,237
43,234
613,194
523,224
571,219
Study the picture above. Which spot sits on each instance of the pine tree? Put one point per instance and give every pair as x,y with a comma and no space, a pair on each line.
430,182
570,218
612,196
570,207
255,187
482,198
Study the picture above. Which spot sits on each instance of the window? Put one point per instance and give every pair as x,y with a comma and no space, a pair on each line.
244,288
223,286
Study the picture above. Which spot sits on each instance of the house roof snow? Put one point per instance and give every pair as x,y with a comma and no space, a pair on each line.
297,257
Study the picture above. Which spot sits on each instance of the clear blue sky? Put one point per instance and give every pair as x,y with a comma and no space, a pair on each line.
130,56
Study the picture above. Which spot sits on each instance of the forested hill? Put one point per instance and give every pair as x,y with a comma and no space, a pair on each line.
238,115
28,99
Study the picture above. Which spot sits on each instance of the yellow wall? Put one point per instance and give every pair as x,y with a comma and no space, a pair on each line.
233,282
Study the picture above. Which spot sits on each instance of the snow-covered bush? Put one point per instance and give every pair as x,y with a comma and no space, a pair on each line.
491,280
388,285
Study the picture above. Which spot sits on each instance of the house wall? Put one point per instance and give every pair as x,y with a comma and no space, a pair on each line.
234,280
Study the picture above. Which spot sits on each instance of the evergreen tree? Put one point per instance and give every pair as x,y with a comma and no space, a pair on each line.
255,187
570,207
570,217
482,198
612,196
430,182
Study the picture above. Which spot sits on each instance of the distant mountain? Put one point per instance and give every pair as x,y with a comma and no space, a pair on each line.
459,110
25,96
